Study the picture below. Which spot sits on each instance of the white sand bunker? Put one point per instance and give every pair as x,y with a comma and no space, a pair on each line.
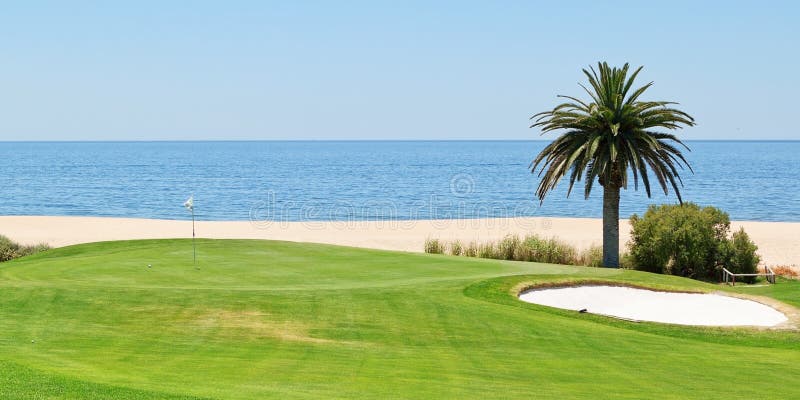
666,307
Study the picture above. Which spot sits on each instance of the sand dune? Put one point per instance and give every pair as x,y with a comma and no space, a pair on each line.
777,241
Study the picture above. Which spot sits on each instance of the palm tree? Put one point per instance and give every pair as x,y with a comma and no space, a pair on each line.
607,137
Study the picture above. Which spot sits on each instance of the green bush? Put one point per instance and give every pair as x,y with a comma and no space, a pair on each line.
687,240
10,249
739,255
626,261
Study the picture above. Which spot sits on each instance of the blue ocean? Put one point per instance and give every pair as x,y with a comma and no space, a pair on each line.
362,180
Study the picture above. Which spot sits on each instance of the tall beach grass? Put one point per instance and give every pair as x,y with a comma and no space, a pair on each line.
531,248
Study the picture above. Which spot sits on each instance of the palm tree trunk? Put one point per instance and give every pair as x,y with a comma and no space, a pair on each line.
611,226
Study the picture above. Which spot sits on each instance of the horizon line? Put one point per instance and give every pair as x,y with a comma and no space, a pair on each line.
348,140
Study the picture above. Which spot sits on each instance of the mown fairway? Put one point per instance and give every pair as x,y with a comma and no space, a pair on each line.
263,319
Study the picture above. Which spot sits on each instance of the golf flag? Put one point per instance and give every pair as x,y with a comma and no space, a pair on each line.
189,204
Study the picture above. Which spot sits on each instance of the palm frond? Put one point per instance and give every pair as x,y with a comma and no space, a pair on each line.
611,135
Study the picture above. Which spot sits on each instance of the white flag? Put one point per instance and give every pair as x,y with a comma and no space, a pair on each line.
189,204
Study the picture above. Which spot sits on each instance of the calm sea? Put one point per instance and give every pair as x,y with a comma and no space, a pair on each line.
361,180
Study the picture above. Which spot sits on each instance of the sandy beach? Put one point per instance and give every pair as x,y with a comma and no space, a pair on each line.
777,241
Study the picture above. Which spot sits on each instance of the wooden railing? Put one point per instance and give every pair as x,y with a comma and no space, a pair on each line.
729,277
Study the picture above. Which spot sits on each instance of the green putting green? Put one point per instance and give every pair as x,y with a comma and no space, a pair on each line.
263,319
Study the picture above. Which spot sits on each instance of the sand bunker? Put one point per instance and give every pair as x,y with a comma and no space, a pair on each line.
666,307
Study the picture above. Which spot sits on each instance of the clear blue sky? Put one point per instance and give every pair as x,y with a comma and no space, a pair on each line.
169,70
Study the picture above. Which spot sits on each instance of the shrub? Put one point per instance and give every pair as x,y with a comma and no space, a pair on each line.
679,239
626,261
689,241
456,248
10,249
739,255
434,246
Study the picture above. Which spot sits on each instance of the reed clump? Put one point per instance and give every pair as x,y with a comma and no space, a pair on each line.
434,246
591,257
531,248
456,248
471,250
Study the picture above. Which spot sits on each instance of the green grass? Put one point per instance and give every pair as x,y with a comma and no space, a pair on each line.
264,319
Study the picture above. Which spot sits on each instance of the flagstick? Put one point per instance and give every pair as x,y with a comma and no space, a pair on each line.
189,204
194,248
